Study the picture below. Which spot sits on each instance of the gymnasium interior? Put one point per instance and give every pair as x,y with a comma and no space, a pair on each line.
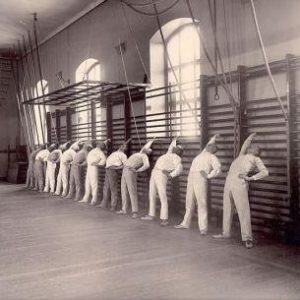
140,71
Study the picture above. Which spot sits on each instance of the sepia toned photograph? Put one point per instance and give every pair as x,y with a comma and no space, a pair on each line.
150,150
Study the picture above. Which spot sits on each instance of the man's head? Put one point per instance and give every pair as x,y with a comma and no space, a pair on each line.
101,146
211,148
254,150
65,146
87,146
147,151
123,147
52,147
178,150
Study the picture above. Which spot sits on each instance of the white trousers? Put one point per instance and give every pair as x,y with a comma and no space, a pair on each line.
158,185
196,190
91,184
30,175
50,177
129,190
63,179
236,192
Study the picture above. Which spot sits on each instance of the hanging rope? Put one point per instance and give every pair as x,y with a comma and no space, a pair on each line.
35,25
262,47
129,94
213,18
24,125
222,83
152,14
181,93
227,45
143,4
135,41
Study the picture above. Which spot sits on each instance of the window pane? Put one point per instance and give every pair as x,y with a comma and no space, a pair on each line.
188,41
173,50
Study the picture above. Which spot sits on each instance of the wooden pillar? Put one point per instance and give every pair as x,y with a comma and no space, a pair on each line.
204,129
48,122
93,120
109,124
127,119
292,170
242,109
69,123
203,104
57,119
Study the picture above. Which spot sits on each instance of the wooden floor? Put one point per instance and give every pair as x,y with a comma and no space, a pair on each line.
57,249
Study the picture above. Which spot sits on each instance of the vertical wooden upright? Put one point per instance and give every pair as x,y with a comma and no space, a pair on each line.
203,105
69,123
93,120
127,119
109,124
204,127
241,110
48,122
57,119
292,171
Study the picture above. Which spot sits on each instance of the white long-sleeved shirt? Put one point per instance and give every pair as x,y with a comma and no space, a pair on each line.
171,163
96,156
207,162
138,161
116,159
42,155
68,156
246,163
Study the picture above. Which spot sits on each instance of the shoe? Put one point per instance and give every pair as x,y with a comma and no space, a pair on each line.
93,203
147,218
121,212
64,195
134,215
221,236
249,244
82,201
112,210
180,226
164,223
203,232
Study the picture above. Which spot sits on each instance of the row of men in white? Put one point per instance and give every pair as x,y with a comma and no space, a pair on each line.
205,166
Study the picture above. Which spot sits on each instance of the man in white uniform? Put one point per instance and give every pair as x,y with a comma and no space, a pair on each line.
39,166
114,162
95,159
167,166
204,166
30,178
136,163
236,190
64,169
53,160
76,172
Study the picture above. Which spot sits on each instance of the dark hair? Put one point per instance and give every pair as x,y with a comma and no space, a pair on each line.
178,150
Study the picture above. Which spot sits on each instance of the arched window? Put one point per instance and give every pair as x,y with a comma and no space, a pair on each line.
183,49
40,89
88,70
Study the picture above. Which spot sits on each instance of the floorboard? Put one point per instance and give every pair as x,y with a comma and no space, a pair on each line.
58,249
